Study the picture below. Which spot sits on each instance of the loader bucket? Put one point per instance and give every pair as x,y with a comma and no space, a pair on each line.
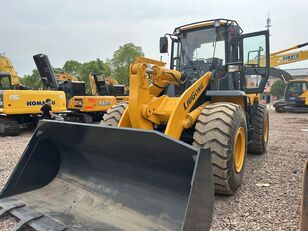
87,177
304,207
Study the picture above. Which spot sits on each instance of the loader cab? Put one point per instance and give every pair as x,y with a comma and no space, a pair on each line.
237,61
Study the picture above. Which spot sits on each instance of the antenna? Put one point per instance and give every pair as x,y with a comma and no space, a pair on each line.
268,22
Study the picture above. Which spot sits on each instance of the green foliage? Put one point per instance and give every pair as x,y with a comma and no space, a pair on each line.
32,81
117,67
72,66
277,89
121,60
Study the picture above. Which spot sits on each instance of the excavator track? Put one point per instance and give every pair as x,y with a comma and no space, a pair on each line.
9,127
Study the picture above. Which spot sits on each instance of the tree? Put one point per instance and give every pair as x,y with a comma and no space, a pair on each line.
32,81
72,67
277,89
121,60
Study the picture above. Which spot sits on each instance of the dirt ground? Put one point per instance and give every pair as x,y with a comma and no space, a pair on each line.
269,198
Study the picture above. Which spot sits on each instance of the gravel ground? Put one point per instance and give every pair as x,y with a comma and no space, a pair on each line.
269,198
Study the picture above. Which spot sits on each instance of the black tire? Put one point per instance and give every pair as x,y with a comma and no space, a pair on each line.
279,109
114,114
216,128
260,129
9,127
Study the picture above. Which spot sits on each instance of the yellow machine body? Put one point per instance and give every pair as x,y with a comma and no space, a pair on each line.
147,108
94,103
15,102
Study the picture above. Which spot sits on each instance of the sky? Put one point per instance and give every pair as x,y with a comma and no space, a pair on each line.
87,30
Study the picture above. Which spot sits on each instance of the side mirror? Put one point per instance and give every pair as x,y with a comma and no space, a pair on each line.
163,44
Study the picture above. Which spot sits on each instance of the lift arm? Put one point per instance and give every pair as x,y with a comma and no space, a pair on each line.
147,107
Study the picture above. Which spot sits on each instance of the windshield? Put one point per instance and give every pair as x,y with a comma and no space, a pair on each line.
201,46
5,82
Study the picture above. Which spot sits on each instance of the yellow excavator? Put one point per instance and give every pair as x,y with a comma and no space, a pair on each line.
183,135
81,107
19,105
295,98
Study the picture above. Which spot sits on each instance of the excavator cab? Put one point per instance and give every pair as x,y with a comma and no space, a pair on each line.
5,81
295,97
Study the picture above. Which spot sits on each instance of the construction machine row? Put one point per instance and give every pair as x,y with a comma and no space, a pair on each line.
158,158
20,106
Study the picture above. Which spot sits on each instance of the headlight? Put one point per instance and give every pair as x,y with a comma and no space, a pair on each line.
234,68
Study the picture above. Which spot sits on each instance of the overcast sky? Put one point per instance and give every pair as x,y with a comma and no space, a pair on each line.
86,30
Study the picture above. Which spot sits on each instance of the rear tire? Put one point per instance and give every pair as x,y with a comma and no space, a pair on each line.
220,127
260,131
9,127
114,114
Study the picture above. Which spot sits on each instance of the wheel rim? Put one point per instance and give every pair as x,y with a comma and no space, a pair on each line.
266,129
239,149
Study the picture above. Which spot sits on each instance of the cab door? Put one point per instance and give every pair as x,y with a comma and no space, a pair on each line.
255,55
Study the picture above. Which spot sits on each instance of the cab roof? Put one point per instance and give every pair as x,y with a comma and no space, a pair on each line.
207,23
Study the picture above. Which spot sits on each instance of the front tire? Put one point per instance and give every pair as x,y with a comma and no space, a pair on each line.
222,127
114,114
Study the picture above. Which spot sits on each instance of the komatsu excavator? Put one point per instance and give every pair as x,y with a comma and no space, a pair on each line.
183,135
19,105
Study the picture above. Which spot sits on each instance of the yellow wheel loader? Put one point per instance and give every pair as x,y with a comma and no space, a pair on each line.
184,133
19,105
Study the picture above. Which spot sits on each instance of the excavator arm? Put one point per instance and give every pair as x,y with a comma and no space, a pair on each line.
6,66
65,76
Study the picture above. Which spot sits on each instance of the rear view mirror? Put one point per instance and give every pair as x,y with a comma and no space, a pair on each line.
163,44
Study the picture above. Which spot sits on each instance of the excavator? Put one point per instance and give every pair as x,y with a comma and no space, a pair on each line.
81,107
99,81
19,105
182,137
295,98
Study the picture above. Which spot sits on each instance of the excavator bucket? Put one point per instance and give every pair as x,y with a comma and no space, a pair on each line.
88,177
